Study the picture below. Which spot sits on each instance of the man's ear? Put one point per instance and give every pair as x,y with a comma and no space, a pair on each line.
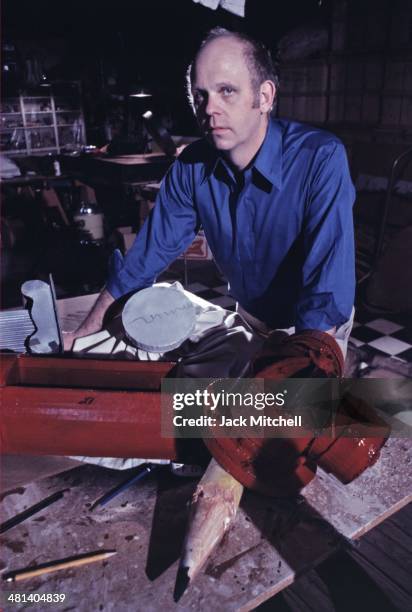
267,96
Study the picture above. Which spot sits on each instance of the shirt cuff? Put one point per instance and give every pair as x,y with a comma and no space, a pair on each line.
319,312
114,284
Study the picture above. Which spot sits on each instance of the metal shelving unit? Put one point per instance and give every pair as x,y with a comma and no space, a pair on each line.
49,123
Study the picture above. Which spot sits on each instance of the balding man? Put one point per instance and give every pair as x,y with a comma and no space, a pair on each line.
274,198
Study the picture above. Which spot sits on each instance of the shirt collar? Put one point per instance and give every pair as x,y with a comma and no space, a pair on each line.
268,161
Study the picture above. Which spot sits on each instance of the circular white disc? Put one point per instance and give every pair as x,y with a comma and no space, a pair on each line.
159,319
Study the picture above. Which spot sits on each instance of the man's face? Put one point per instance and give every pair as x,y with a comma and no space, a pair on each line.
227,108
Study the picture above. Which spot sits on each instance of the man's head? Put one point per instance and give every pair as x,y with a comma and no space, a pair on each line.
232,86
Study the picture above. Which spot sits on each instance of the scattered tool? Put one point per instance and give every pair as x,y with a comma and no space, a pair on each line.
22,516
213,507
54,566
141,472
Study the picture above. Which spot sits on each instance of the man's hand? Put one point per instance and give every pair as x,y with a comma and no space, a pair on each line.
68,339
92,323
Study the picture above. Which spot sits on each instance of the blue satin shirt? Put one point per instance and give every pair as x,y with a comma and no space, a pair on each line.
281,231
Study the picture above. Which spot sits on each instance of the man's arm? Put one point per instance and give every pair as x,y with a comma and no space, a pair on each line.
328,274
92,323
166,233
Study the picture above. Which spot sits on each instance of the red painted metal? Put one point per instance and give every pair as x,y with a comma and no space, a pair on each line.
280,466
115,413
82,372
69,406
354,443
274,467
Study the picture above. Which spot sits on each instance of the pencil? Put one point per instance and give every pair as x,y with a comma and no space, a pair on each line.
22,516
54,566
141,472
213,509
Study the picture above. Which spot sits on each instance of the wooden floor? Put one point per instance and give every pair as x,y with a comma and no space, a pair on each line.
146,527
374,574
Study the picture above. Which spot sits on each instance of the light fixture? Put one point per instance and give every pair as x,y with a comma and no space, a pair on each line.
140,92
44,81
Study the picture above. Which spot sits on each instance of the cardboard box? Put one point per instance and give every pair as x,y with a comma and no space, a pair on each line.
199,249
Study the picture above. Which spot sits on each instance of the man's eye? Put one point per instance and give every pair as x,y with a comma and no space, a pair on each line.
198,99
227,91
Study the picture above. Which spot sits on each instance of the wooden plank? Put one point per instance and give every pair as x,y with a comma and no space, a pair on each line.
385,555
271,543
378,493
146,526
388,567
18,470
377,554
309,594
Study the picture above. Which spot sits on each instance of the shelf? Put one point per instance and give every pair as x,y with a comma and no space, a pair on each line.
42,149
15,152
35,127
36,98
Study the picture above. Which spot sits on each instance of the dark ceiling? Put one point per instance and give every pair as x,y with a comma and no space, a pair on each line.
148,40
175,25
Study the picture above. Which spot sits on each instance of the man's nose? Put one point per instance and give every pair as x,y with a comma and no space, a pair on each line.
212,106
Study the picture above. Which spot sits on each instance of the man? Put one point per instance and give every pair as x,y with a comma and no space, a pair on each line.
274,199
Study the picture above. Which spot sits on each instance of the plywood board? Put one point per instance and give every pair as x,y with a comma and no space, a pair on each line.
271,542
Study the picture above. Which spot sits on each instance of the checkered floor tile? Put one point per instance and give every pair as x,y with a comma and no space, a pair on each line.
225,301
196,288
384,336
377,335
217,295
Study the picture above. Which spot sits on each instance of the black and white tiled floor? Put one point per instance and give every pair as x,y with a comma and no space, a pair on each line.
376,334
217,295
384,336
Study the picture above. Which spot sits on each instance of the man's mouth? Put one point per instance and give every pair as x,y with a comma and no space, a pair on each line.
215,130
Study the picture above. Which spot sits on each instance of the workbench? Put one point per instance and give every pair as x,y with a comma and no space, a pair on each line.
272,542
116,181
104,169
